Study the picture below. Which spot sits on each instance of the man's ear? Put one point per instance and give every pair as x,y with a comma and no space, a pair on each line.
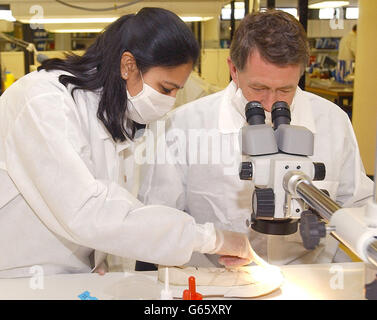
128,65
232,70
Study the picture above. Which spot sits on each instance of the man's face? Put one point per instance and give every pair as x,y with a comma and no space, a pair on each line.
266,82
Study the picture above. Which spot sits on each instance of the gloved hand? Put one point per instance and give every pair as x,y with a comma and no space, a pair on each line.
235,249
101,269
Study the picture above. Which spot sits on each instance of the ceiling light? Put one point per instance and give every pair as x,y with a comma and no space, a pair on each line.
237,5
94,30
96,20
6,15
238,14
326,13
70,20
352,13
328,4
195,19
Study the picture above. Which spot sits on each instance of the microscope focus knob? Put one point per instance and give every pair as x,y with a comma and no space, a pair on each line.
264,203
319,171
246,171
311,230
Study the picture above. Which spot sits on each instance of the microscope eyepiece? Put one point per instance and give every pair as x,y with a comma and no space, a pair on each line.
254,113
280,114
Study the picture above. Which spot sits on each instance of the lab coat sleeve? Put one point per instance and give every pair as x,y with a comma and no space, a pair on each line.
43,160
163,178
355,188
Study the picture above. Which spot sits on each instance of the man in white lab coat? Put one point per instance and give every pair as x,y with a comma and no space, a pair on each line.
200,172
346,55
347,45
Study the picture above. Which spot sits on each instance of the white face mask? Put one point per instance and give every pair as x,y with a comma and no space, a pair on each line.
148,105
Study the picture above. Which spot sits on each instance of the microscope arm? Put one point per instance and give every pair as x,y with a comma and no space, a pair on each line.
356,228
300,185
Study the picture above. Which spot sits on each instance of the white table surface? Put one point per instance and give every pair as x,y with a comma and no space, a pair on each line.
320,281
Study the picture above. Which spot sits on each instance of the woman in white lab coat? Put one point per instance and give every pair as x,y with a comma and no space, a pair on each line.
65,131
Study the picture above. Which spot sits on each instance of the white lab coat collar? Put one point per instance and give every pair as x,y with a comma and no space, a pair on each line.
231,120
302,114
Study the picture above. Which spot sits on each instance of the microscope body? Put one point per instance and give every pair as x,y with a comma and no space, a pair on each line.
274,152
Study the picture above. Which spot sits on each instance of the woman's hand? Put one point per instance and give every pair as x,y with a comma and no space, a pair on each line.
101,269
235,249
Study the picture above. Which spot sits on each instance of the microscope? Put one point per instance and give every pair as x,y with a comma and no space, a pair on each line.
285,199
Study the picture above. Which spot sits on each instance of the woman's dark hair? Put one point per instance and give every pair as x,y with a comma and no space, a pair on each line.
154,36
277,35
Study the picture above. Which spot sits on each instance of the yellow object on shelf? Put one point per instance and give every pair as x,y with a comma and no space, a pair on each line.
9,79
